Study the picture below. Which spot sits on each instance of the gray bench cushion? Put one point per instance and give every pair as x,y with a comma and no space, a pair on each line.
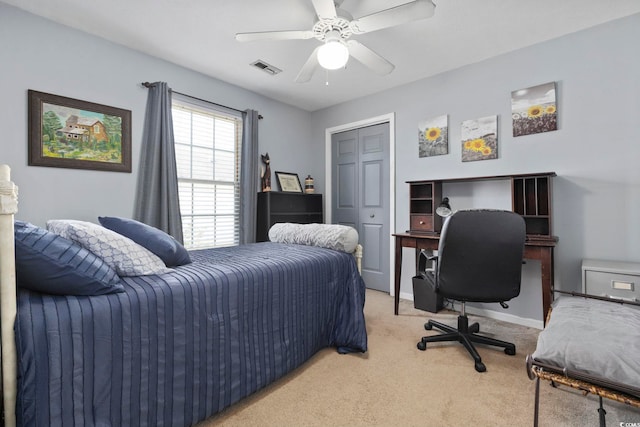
593,337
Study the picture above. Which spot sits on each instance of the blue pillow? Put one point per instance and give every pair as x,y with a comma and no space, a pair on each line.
157,241
51,264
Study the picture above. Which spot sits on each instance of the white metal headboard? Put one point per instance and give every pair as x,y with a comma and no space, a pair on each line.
8,302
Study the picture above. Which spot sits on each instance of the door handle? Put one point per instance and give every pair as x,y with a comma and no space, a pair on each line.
372,215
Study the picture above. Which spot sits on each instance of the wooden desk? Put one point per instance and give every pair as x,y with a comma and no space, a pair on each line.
541,250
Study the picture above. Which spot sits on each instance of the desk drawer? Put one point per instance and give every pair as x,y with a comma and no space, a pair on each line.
421,223
616,280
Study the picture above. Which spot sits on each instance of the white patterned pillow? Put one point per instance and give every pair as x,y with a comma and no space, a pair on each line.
124,255
332,236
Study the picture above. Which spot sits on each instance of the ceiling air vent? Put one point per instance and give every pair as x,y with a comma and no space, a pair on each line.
269,69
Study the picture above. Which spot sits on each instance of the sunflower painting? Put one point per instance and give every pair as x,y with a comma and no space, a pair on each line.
534,109
480,139
433,137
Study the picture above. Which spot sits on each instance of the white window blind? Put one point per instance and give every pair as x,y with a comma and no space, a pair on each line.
207,142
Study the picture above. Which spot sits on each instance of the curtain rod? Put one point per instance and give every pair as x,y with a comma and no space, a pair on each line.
148,85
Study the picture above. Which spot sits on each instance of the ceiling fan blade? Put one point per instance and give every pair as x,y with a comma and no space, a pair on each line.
275,35
308,68
369,58
325,9
418,9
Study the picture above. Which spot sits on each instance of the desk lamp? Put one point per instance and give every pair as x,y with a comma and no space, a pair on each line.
444,209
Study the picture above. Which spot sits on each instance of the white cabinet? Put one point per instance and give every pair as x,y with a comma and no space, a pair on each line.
611,279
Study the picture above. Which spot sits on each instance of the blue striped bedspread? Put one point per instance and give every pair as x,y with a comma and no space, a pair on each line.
177,348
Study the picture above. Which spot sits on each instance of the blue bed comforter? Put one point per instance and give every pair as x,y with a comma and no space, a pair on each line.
174,349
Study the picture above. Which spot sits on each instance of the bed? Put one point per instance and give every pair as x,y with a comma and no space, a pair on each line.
172,349
590,343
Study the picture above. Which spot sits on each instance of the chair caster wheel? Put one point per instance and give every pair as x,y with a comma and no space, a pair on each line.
428,326
422,346
511,351
480,367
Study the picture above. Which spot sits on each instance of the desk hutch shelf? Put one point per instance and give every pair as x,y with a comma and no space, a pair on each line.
530,197
424,198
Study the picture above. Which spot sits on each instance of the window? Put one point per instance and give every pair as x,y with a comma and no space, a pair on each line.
207,142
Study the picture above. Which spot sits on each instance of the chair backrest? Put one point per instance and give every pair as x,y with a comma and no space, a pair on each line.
480,255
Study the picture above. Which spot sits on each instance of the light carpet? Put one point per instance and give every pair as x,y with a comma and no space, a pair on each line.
395,384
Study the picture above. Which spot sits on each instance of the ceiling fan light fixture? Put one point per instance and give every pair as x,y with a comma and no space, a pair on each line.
334,26
333,54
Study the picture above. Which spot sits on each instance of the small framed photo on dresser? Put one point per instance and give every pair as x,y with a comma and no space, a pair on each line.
288,182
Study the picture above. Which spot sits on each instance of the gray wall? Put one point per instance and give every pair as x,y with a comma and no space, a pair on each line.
595,152
38,54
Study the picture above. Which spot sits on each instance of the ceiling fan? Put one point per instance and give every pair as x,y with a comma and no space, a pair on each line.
334,28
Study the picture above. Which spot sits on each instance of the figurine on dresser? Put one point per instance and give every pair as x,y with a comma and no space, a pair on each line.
265,177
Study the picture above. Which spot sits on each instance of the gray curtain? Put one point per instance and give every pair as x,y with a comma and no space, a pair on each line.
157,201
249,176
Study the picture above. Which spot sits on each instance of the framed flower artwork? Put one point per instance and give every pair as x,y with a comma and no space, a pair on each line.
534,109
433,137
480,139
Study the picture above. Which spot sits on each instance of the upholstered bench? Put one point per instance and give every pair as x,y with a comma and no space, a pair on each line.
592,345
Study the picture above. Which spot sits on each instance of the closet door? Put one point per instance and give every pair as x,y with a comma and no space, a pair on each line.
360,195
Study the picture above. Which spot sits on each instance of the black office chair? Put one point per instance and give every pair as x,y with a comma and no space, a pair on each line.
479,259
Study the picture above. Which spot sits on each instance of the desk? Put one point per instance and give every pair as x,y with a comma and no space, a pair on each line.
541,250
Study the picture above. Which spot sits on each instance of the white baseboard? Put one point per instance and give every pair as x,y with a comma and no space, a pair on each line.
509,318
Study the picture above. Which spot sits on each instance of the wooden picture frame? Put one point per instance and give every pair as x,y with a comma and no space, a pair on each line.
288,182
70,133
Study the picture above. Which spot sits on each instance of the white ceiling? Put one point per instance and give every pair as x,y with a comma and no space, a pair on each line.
199,34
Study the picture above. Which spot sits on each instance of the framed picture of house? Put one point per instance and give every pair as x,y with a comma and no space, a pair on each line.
70,133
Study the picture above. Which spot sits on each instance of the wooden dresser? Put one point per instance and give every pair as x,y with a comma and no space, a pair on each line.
276,207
